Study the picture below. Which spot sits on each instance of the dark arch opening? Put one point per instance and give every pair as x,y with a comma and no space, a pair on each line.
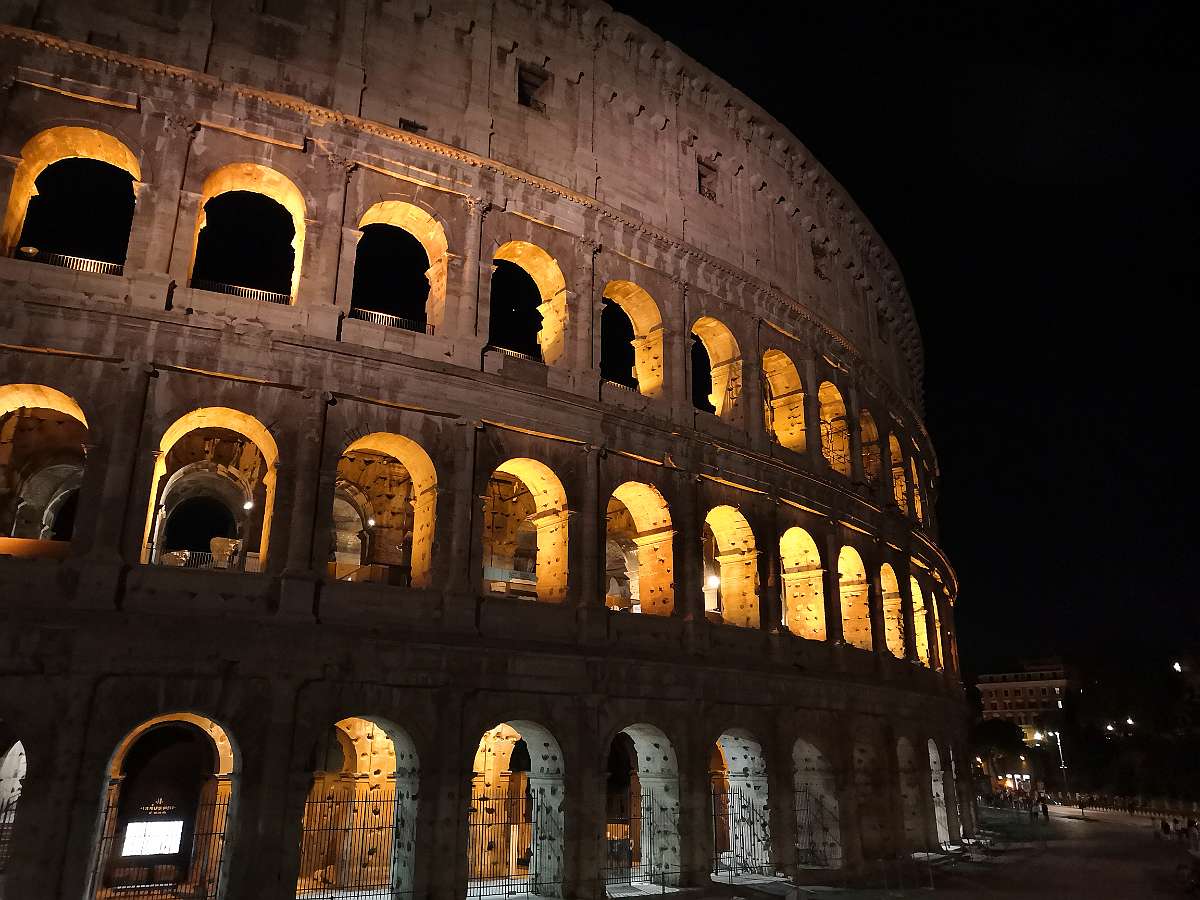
515,320
246,241
519,761
701,376
195,522
64,520
389,275
616,346
83,207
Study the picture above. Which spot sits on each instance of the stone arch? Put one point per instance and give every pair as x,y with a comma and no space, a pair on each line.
899,480
643,831
893,610
515,825
730,568
643,313
166,823
741,808
225,419
12,778
525,532
639,539
552,287
852,588
818,822
835,428
725,364
803,585
257,179
783,401
392,480
938,657
51,146
920,620
872,449
918,506
937,781
359,824
430,234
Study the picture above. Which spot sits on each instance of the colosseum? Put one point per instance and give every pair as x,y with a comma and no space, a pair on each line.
448,449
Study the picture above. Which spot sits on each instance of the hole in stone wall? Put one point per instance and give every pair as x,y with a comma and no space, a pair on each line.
246,241
82,207
390,268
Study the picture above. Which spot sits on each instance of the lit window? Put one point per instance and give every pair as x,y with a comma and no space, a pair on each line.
152,838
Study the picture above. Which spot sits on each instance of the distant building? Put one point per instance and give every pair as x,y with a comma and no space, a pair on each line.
1028,698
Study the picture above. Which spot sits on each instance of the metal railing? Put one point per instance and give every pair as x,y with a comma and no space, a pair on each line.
504,844
621,387
200,559
380,318
741,833
818,832
348,847
8,816
74,263
636,836
238,290
517,353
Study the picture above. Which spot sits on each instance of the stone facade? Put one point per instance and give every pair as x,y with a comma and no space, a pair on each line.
795,641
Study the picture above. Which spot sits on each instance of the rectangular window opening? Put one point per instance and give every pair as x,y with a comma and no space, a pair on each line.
706,180
533,86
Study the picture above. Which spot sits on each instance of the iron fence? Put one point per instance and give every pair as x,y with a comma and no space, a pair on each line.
506,846
199,559
8,816
238,290
818,832
741,833
74,263
380,318
349,848
154,856
517,353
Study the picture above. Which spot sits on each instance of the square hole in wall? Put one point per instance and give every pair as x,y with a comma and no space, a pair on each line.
706,179
533,86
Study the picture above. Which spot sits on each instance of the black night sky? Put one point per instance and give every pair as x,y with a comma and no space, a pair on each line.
1035,168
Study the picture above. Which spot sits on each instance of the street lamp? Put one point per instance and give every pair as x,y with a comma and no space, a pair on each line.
1062,760
1129,720
1177,667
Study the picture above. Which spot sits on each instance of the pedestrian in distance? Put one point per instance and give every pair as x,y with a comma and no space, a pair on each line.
1045,810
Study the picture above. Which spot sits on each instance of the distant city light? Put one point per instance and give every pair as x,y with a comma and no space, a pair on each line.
1109,728
1129,721
1177,667
1037,735
248,505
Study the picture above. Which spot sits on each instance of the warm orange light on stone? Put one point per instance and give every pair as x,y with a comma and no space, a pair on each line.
852,585
783,405
432,237
726,361
543,269
737,561
835,429
803,591
647,333
38,396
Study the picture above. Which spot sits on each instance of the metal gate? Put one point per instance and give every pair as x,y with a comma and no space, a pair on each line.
741,833
348,847
155,856
8,816
634,843
818,832
505,832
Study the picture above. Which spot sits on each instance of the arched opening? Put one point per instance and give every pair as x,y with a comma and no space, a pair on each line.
642,809
384,512
12,778
167,805
872,450
400,268
803,590
783,401
911,801
918,507
639,330
515,826
818,826
852,586
937,781
525,532
939,660
639,571
730,559
893,611
214,465
870,799
920,621
43,436
717,356
529,303
360,816
72,200
899,482
835,429
741,817
249,234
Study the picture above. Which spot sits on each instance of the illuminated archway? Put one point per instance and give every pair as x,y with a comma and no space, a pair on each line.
642,808
643,313
390,482
430,234
803,590
639,539
515,823
170,795
552,288
783,401
937,780
525,532
730,568
899,481
49,147
818,823
893,611
852,586
256,179
920,621
359,819
835,428
260,475
725,364
939,659
741,808
918,506
872,451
